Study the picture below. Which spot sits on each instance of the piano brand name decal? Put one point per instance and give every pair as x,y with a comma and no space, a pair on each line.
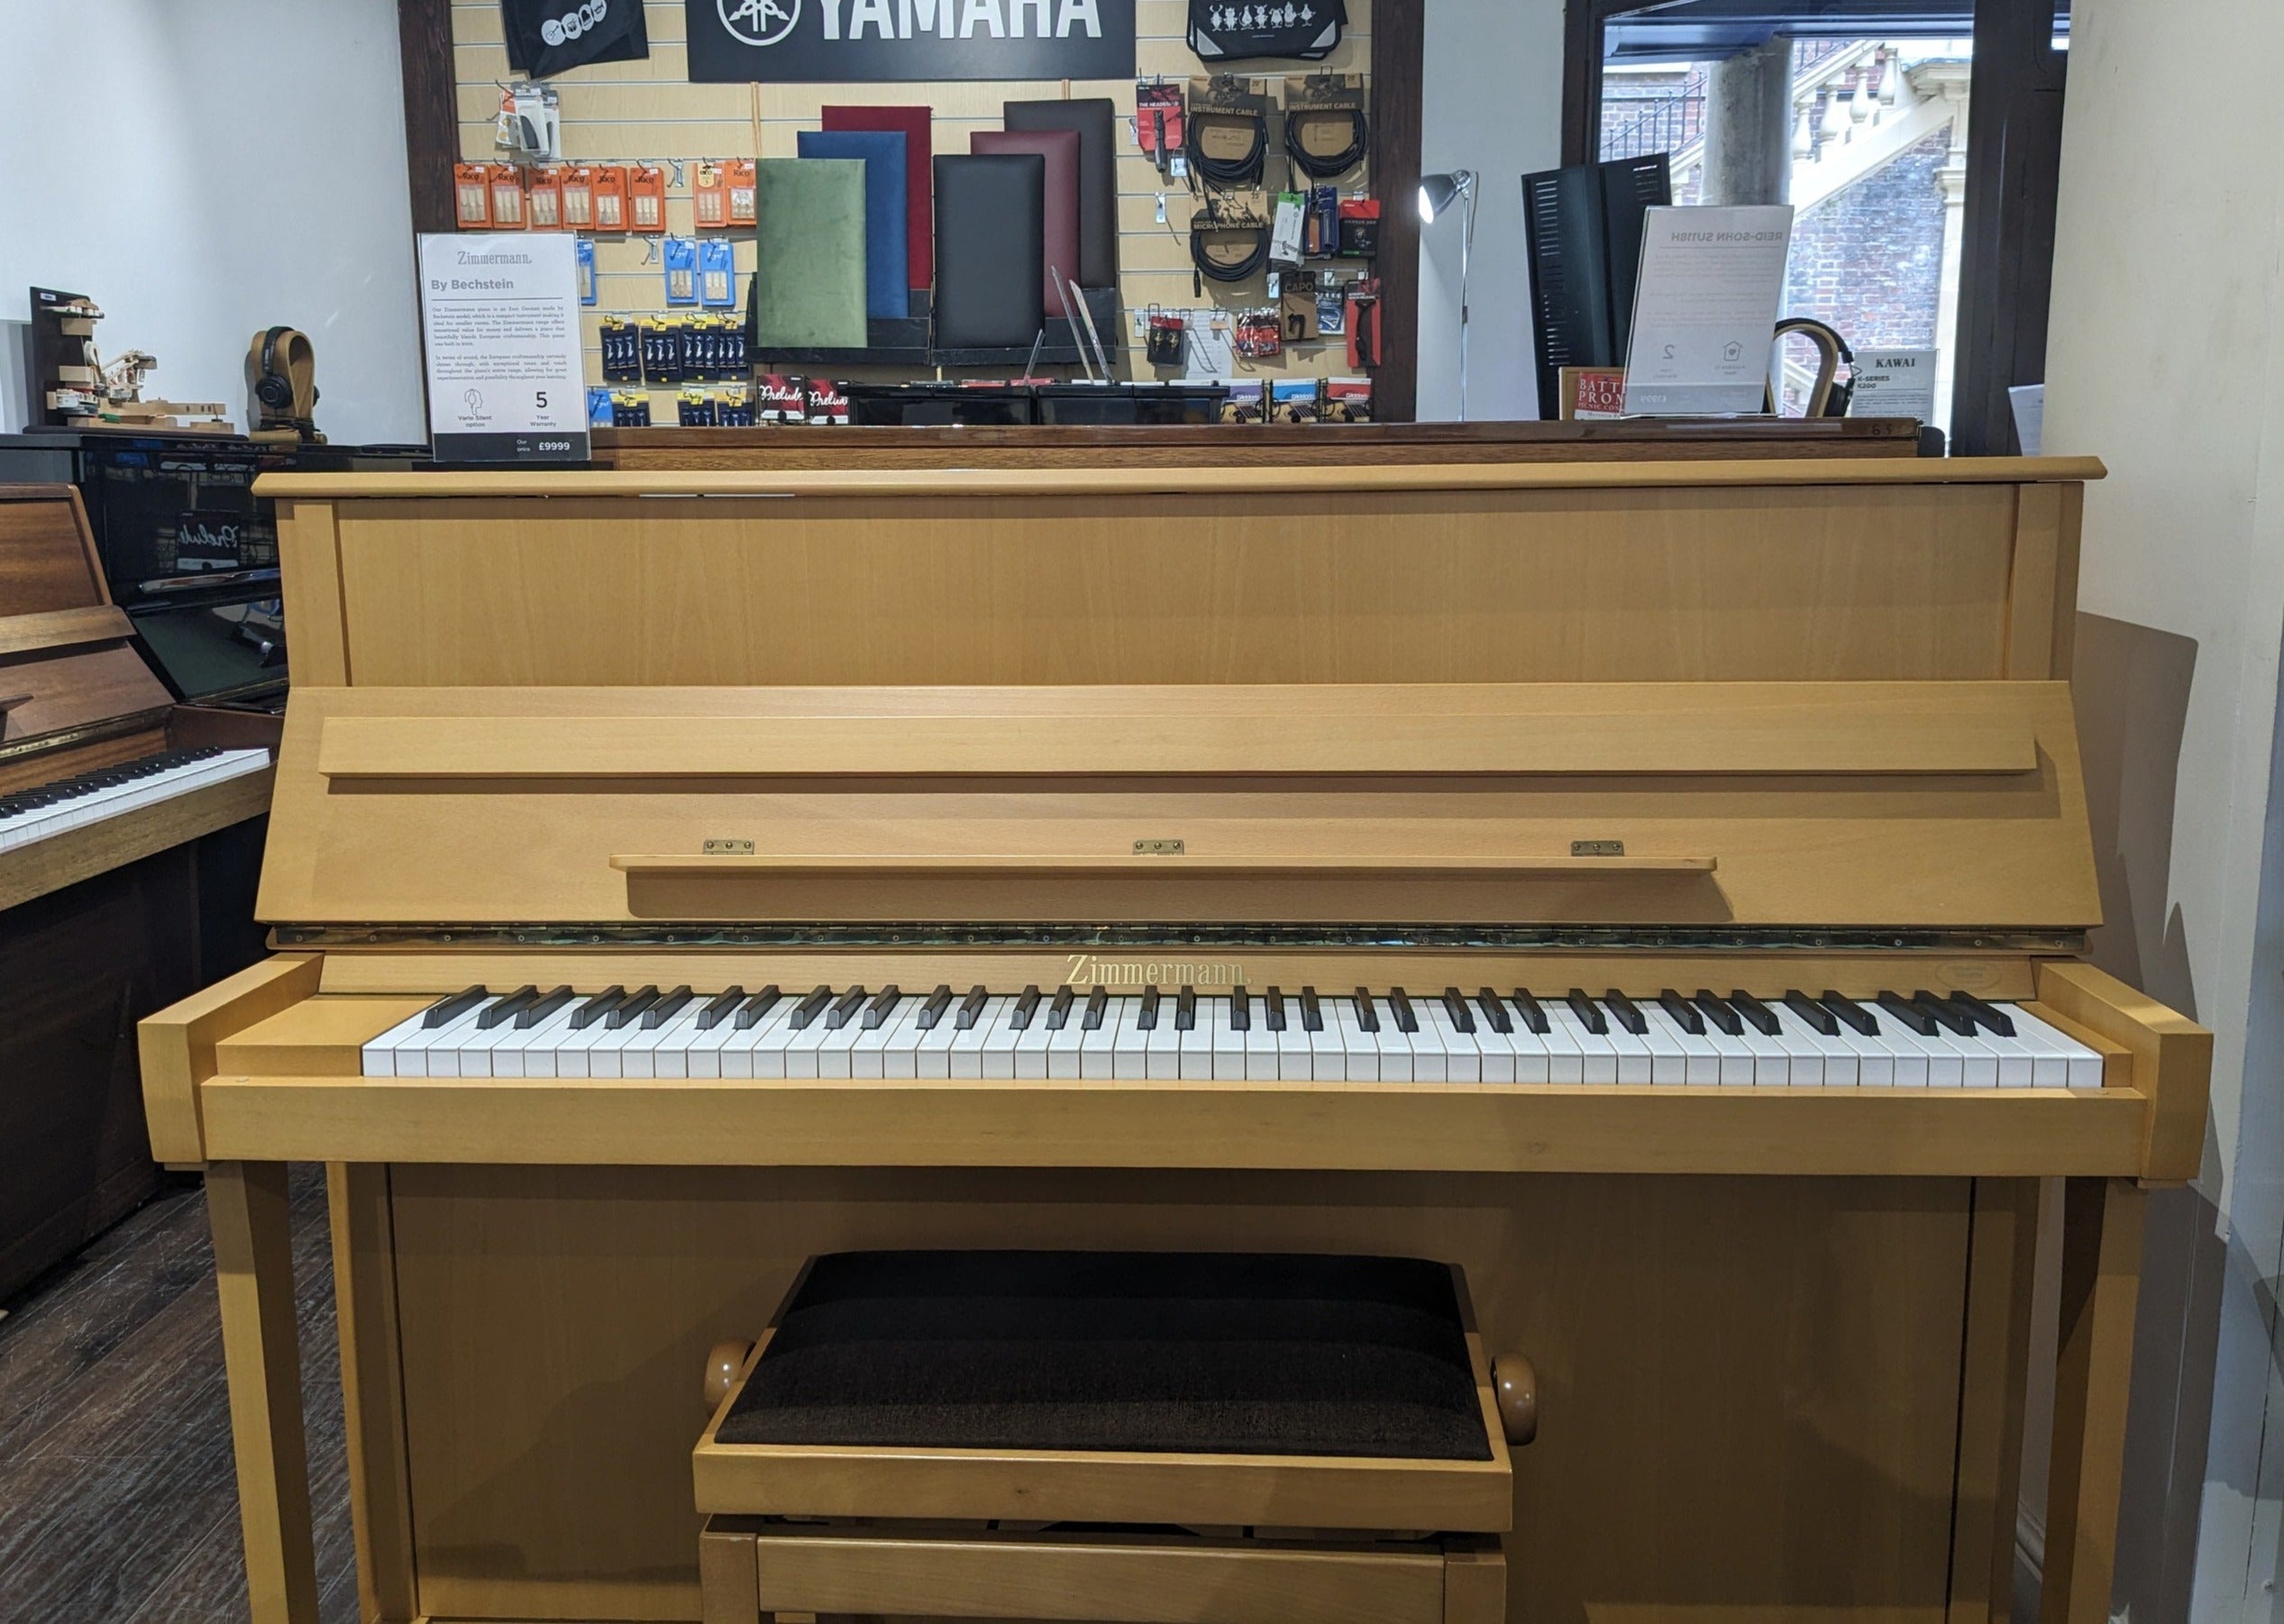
1087,971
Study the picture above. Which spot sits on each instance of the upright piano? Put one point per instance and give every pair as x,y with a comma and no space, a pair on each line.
129,837
1660,888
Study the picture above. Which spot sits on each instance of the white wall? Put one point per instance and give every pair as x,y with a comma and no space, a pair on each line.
1493,75
137,167
2168,313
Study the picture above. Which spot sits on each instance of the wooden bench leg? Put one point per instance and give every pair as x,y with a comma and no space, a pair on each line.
261,1348
728,1580
1474,1582
2101,1280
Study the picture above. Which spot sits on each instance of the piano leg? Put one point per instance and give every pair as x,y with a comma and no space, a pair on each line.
2101,1279
254,1273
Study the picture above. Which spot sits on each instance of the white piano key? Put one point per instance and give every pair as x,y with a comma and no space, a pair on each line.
1229,1043
932,1054
1462,1061
1162,1045
1676,1053
379,1055
1771,1061
1197,1044
1130,1044
1978,1063
1533,1065
473,1058
1634,1064
1565,1059
759,1050
1735,1055
1831,1061
870,1043
1028,1044
899,1055
1327,1055
702,1054
1395,1045
1940,1068
801,1044
533,1046
1260,1044
1295,1063
836,1051
1360,1053
1066,1045
433,1050
1098,1044
1598,1056
2081,1066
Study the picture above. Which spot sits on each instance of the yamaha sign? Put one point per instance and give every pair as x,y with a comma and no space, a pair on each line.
860,42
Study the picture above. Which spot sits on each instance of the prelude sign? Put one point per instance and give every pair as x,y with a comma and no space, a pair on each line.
862,42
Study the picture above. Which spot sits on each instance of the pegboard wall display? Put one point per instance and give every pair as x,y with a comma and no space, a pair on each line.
1243,221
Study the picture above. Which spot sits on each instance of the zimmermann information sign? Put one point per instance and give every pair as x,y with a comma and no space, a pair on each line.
860,42
505,380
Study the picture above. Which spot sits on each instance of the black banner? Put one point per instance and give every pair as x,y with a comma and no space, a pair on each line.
548,447
864,41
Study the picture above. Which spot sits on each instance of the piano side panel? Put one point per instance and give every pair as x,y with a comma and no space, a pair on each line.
1751,1386
1842,582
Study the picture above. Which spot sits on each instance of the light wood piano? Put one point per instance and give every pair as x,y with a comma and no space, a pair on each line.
1657,888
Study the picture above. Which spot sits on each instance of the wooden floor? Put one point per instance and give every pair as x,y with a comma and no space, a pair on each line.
118,1501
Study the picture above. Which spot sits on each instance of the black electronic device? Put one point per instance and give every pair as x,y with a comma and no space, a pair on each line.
1583,231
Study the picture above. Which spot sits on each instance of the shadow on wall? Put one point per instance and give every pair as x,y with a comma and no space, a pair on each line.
2131,685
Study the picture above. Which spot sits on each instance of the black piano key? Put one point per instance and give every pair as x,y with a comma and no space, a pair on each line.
1719,1013
1059,1009
806,1012
883,1005
1526,1006
1758,1014
1858,1019
1145,1018
751,1012
843,1008
1311,1010
931,1012
1589,1013
1809,1010
1456,1010
1626,1013
1913,1020
1407,1020
1367,1016
1098,1004
1185,1010
1027,1004
971,1009
1241,1012
667,1008
1273,1008
595,1008
1684,1014
453,1008
630,1007
541,1010
507,1009
1955,1021
720,1007
1988,1017
1494,1011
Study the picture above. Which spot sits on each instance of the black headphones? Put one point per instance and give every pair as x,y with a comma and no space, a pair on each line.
273,388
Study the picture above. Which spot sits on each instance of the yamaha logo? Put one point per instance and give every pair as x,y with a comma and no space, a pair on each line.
759,21
576,22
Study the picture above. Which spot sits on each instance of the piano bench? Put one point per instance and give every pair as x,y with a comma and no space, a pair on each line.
1191,1437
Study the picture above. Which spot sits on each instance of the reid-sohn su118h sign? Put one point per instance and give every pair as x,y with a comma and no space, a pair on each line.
858,42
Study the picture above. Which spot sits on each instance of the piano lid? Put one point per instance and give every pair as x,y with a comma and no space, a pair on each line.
1735,700
69,670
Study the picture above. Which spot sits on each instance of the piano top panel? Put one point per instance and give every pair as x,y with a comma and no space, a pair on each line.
1839,572
46,558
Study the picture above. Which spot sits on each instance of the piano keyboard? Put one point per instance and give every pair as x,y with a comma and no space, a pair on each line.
71,803
1898,1040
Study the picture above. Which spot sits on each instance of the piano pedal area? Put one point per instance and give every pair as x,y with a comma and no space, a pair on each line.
1916,1040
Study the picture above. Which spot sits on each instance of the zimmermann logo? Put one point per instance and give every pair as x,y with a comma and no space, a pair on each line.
1087,971
758,22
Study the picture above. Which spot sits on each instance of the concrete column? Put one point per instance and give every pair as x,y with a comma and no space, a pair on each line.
1749,126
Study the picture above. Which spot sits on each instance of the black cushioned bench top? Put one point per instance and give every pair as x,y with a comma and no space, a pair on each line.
1198,1353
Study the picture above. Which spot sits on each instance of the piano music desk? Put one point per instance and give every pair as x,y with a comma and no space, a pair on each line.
1817,716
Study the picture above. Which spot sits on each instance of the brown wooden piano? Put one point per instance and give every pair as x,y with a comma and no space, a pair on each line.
129,838
1657,890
